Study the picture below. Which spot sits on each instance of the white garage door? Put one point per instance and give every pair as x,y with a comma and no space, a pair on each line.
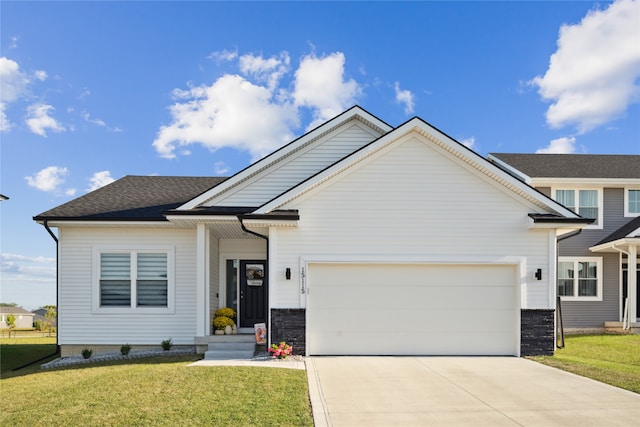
381,309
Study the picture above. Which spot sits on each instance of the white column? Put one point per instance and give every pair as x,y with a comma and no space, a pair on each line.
201,279
632,285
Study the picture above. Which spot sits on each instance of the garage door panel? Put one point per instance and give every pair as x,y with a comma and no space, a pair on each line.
329,320
407,344
412,309
338,275
406,297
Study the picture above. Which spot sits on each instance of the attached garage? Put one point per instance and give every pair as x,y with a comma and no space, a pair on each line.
412,309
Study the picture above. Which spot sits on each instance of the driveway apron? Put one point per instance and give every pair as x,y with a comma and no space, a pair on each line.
461,391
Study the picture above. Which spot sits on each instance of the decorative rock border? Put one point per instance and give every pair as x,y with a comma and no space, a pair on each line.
107,357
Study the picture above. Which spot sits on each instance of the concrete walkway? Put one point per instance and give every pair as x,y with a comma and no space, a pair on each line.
459,391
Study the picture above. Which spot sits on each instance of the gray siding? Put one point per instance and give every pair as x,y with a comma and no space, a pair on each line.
593,314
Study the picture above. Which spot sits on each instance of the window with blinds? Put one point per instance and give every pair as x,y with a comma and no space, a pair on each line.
115,279
133,279
152,280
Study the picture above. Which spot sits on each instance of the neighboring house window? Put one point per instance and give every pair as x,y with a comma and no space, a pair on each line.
580,278
585,202
632,202
134,279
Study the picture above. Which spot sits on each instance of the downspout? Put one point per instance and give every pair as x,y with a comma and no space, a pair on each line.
560,325
46,226
266,238
55,238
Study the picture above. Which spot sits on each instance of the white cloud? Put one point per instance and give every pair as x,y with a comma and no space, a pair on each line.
404,97
25,265
14,42
48,179
41,75
221,168
469,142
13,82
564,145
255,111
100,179
592,77
224,55
87,117
320,84
269,70
5,124
39,119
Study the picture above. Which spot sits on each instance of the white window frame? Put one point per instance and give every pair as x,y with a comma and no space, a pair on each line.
576,190
628,213
132,309
575,297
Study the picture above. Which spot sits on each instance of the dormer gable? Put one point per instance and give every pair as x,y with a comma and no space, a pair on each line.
295,162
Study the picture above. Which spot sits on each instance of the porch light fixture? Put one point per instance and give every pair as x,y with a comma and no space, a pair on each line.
539,274
287,273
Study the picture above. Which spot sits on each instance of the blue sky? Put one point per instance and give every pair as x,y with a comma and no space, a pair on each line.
94,91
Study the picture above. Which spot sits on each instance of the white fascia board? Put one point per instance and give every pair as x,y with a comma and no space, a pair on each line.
262,223
447,143
584,182
616,245
272,159
562,227
524,177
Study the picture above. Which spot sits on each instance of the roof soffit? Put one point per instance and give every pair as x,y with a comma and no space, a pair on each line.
272,160
447,144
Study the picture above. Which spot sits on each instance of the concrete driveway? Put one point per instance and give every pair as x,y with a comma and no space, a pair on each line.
460,391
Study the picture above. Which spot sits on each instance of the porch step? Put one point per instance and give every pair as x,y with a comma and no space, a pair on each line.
230,349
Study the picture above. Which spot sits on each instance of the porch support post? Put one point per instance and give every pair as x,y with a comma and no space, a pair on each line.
201,280
632,283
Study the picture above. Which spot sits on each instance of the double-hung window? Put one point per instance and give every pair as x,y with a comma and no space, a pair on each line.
134,279
580,278
631,201
585,202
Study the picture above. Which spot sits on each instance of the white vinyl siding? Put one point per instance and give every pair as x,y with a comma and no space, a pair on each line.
299,166
82,320
411,204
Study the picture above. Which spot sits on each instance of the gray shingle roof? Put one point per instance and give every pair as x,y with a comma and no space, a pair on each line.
133,198
574,165
622,232
14,310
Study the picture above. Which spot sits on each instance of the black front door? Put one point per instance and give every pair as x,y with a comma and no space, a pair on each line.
253,293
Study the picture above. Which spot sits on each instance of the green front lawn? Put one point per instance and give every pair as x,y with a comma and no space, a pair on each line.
16,352
155,391
610,358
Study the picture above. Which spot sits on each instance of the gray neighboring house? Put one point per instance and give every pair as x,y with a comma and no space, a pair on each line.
593,281
41,314
24,318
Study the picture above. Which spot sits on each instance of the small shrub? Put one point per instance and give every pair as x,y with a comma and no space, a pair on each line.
125,349
38,325
222,322
87,353
166,344
226,312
